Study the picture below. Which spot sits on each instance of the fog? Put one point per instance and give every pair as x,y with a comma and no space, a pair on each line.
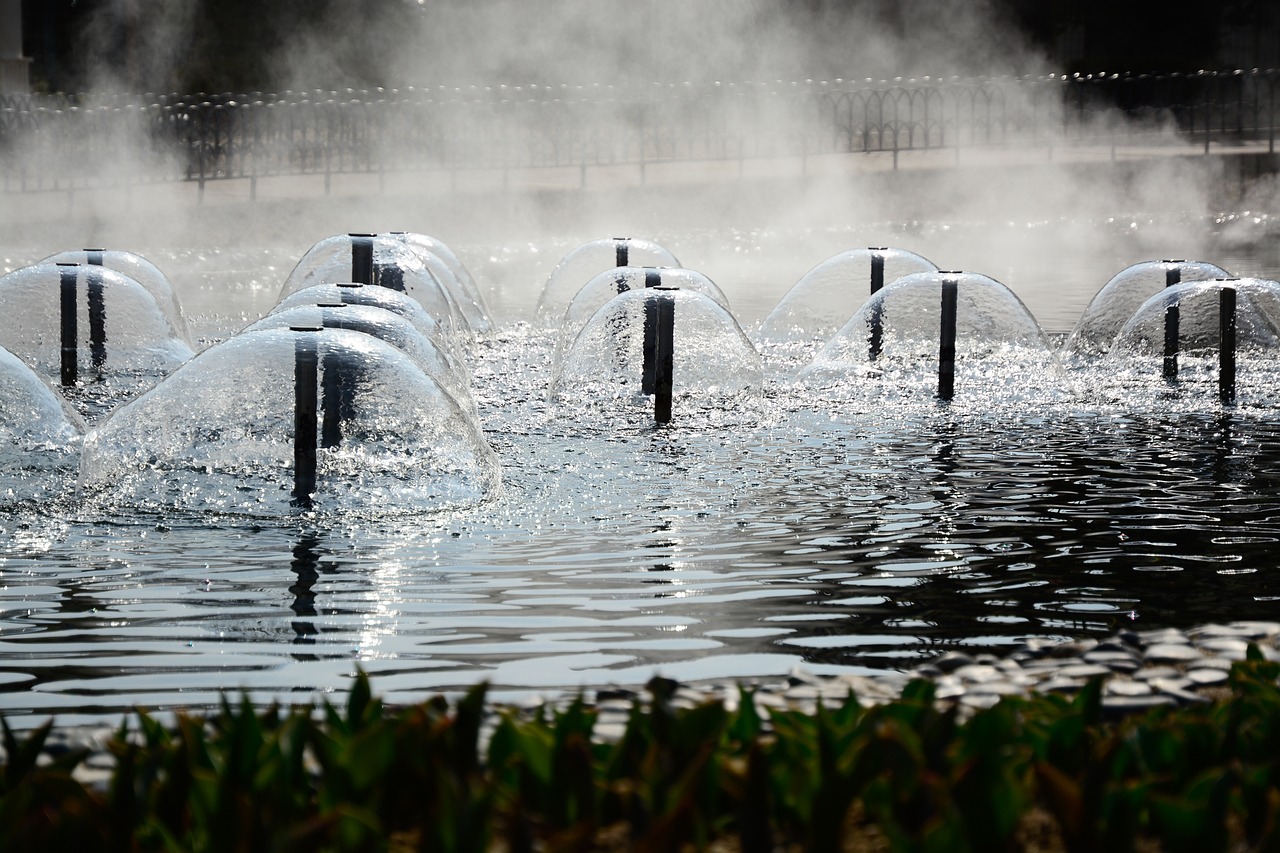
1050,220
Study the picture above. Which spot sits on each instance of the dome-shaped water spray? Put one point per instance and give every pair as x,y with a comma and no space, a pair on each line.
90,328
1118,299
384,261
449,271
825,297
935,332
1224,332
665,351
39,436
354,293
434,360
605,286
582,264
137,268
271,421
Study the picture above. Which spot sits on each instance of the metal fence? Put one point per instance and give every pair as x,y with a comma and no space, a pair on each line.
93,140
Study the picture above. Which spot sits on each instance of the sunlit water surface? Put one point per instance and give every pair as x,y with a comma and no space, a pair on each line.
831,537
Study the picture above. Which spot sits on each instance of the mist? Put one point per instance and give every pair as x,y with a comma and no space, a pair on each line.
1031,218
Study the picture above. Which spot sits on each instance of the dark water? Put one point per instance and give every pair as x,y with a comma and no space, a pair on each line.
835,538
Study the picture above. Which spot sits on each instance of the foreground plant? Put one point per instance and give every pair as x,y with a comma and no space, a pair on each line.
1042,772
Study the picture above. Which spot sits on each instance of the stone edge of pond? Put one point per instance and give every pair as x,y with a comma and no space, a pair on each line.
1141,670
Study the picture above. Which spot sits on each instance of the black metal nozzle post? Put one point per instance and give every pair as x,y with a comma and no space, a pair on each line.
875,320
362,258
621,249
337,400
305,364
1172,276
1227,344
93,257
97,318
68,274
664,303
652,279
947,341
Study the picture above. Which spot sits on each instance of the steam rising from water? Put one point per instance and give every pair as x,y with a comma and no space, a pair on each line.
1023,217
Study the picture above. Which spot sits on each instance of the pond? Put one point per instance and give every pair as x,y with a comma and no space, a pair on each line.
837,538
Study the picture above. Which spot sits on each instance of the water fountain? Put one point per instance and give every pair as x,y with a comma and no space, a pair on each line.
1118,299
355,293
273,420
1223,333
139,269
680,348
99,334
937,334
386,261
434,360
819,303
583,263
601,289
39,437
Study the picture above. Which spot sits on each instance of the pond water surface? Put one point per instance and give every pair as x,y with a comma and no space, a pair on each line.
838,539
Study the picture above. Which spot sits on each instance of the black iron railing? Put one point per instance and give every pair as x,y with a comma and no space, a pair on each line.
85,141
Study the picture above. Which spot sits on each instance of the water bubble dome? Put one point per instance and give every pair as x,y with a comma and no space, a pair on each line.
939,334
582,264
433,359
826,296
139,269
606,285
1175,342
89,327
1118,299
379,260
272,422
39,436
715,373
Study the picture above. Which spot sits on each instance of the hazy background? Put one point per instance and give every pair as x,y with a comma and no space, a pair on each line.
1052,230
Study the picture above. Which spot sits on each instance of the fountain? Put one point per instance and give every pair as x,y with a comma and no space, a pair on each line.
582,264
661,349
934,333
1223,333
273,420
1117,300
606,285
823,299
39,437
354,293
98,333
137,268
431,357
385,261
